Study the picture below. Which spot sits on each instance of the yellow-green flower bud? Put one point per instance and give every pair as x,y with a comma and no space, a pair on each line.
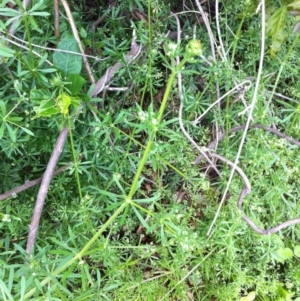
194,48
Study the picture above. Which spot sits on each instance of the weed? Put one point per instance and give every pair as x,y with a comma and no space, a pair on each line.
128,218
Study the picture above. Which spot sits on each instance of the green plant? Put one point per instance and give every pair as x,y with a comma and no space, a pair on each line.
128,217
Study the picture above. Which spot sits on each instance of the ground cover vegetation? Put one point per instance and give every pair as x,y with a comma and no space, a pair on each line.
143,205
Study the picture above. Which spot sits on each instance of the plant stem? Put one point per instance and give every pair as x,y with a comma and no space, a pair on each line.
29,38
75,160
128,199
279,73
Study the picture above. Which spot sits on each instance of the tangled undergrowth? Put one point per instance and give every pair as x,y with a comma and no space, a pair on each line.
127,216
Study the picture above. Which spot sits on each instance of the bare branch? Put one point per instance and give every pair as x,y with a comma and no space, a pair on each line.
130,57
56,17
247,189
29,184
33,228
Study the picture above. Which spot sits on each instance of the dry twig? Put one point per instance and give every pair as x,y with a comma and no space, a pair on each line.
56,18
34,225
106,78
29,184
247,189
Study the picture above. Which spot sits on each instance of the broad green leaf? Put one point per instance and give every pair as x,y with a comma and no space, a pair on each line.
277,241
282,254
275,29
68,63
63,102
76,83
285,294
47,108
37,96
75,101
297,250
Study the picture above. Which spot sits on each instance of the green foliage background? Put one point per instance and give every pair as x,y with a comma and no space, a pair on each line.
157,247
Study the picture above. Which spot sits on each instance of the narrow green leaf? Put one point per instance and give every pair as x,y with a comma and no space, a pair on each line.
141,219
35,6
148,200
11,132
8,12
5,291
2,130
34,24
116,180
14,119
3,107
6,52
40,13
111,195
27,131
23,288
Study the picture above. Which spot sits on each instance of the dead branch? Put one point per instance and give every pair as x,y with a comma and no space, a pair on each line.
56,18
247,189
34,225
130,57
29,184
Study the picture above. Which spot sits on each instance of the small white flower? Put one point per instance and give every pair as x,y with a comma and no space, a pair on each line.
142,115
6,218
